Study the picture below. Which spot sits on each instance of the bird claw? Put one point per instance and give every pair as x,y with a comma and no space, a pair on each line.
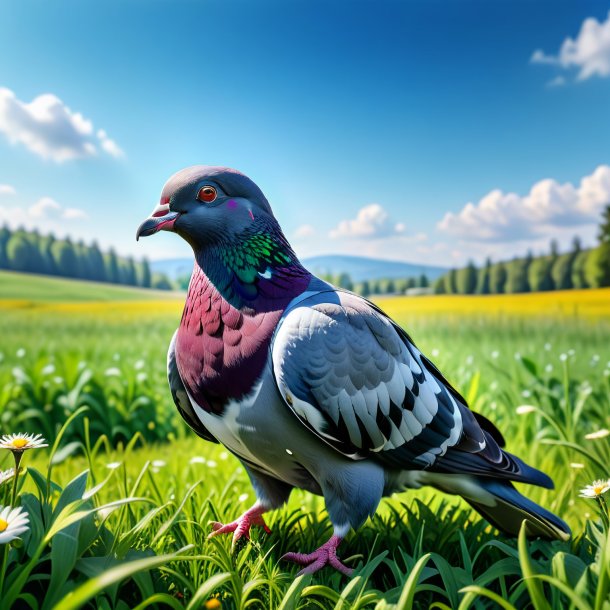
241,526
325,555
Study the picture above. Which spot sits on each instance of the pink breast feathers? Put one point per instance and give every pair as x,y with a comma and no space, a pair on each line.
220,351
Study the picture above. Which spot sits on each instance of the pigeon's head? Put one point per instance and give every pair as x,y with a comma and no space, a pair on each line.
208,205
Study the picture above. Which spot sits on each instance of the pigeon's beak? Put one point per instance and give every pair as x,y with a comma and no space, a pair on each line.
162,219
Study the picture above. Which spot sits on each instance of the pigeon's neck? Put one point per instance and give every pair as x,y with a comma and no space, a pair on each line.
221,350
257,271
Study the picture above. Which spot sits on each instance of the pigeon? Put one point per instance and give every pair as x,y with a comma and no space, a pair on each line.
314,387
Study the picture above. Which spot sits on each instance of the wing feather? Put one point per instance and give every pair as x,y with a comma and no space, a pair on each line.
368,386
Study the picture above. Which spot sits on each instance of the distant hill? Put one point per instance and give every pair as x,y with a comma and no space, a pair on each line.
173,268
362,268
359,268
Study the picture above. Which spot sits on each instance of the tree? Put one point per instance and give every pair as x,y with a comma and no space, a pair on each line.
390,287
182,282
5,235
111,263
411,283
145,275
554,248
161,282
382,286
46,250
576,244
439,285
561,271
400,285
594,268
497,278
579,279
451,282
130,272
36,263
365,289
603,254
82,256
345,281
483,278
539,274
517,276
96,263
65,258
466,279
20,252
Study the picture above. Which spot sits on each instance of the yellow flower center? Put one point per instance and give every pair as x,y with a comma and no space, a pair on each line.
3,525
598,490
213,604
19,442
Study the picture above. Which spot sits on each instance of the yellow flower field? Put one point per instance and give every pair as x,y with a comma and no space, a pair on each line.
566,303
588,304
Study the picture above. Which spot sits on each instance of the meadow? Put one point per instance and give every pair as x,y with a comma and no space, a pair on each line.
120,504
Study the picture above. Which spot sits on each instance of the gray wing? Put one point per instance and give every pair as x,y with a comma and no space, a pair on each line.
355,379
180,396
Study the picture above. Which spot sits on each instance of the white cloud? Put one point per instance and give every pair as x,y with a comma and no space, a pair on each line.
73,213
372,221
589,53
558,81
7,189
110,146
48,128
549,206
304,231
43,208
45,214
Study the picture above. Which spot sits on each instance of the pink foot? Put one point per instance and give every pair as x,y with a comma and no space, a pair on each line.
241,526
325,555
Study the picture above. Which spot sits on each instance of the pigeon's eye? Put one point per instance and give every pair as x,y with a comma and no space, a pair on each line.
207,194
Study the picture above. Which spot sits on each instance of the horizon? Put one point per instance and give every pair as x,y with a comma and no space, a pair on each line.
437,137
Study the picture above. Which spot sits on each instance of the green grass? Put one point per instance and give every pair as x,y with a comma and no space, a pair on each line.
44,289
421,548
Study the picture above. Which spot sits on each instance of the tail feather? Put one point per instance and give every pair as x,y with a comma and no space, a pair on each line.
505,508
494,463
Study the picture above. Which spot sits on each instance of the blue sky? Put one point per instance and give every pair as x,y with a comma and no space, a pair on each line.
422,131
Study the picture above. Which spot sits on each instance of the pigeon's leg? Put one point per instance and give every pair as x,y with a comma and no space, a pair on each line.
241,526
352,490
270,493
326,555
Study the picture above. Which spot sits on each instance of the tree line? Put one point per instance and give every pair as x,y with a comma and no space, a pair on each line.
578,268
31,252
379,286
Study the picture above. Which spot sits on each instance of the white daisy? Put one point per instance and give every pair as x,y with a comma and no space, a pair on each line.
13,522
158,463
197,459
18,443
113,465
597,435
6,475
525,409
596,489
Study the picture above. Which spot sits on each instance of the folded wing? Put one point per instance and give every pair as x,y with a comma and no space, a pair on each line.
355,379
